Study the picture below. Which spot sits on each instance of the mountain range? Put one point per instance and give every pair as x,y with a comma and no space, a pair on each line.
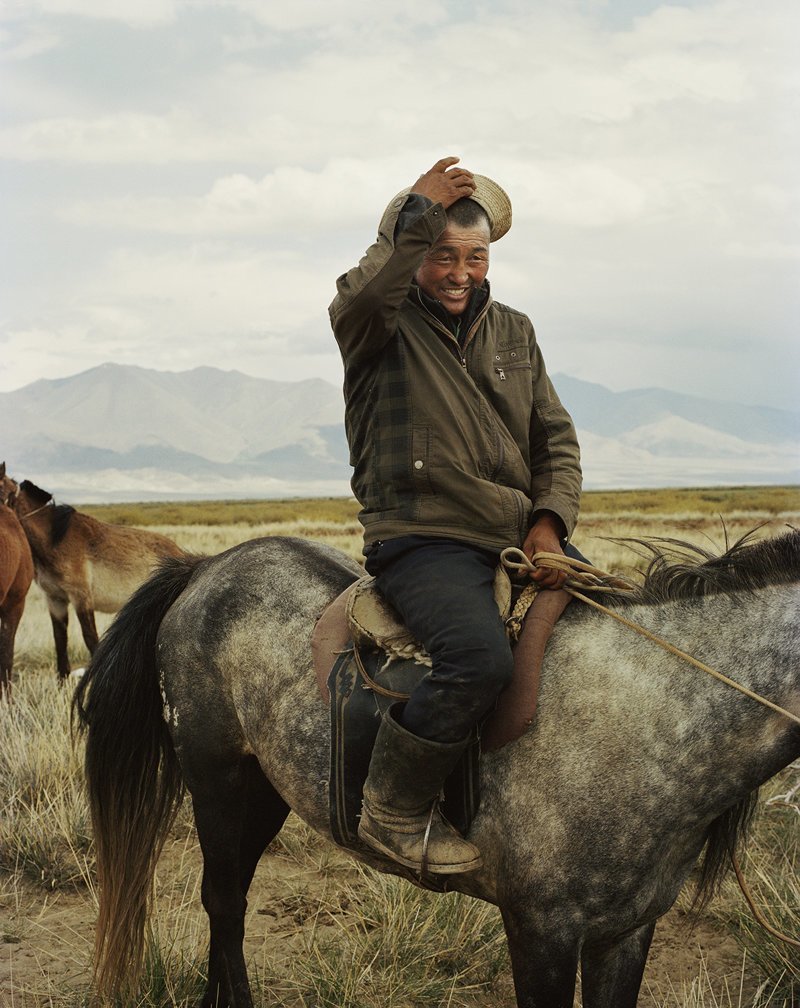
119,432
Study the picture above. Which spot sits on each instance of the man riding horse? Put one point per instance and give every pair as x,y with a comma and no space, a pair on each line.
460,448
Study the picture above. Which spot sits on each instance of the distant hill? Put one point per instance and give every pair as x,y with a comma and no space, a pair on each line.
118,432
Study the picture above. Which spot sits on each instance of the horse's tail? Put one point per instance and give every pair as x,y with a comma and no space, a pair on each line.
133,777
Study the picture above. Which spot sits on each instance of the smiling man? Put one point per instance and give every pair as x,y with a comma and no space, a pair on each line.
460,447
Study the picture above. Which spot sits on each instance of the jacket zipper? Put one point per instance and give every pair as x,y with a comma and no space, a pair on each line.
501,371
459,353
462,357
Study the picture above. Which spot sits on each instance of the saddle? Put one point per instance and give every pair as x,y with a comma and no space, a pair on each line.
376,663
365,660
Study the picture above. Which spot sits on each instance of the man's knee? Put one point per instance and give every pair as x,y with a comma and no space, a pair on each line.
485,666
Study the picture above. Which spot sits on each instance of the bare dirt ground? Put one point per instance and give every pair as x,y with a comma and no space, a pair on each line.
45,938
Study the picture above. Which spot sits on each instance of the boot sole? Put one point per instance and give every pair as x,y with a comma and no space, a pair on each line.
431,867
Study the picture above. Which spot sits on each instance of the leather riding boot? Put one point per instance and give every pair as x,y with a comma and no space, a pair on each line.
516,705
400,815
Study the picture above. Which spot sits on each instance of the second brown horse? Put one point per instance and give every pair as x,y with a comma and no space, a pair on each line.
78,559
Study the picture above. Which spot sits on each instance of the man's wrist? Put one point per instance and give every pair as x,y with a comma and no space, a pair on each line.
550,518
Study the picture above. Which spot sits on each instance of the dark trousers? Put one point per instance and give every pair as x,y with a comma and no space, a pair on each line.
443,591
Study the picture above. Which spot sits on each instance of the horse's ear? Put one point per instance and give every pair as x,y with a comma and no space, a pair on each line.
2,470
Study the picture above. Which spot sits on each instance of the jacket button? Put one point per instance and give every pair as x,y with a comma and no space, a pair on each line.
419,464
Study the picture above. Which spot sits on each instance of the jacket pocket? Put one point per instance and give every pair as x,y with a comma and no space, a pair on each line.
509,364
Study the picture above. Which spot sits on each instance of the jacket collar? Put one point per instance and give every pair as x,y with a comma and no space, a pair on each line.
459,325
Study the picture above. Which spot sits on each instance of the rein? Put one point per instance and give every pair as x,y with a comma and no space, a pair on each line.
591,579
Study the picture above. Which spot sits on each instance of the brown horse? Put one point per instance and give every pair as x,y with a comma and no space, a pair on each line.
78,559
16,574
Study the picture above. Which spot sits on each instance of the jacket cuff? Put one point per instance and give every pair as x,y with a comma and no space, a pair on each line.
414,207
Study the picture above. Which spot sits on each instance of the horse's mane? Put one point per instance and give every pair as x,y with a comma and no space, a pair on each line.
62,516
681,570
62,513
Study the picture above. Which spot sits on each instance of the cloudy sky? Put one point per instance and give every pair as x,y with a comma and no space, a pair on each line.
183,180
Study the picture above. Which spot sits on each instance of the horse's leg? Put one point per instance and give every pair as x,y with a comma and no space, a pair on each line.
59,617
265,814
612,974
545,965
88,627
237,812
8,629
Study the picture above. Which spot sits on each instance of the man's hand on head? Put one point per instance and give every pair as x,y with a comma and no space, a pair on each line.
444,183
545,537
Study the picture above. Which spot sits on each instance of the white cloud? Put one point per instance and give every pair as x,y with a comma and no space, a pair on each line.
338,14
32,44
137,13
289,199
112,139
652,167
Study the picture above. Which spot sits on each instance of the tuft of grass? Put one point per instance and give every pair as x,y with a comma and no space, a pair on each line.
396,946
44,828
701,992
772,873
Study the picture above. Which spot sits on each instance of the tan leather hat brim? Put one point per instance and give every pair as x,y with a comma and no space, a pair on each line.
489,195
495,202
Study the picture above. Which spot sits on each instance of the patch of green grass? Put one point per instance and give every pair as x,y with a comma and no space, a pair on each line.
766,500
246,512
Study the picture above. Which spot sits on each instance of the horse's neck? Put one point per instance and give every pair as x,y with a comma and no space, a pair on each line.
753,640
702,732
37,526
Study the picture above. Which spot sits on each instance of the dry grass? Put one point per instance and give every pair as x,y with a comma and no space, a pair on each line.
325,932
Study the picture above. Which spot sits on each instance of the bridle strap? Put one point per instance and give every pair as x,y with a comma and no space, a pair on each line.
49,503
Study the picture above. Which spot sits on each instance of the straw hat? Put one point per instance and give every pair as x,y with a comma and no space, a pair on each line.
488,194
495,202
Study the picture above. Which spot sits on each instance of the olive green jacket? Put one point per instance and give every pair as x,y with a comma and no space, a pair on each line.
461,443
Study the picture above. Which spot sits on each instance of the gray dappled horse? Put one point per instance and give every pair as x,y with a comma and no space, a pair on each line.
589,824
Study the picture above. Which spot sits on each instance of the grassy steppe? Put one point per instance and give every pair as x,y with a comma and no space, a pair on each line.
763,502
323,933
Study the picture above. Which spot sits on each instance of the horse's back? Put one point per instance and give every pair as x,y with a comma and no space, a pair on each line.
111,560
235,655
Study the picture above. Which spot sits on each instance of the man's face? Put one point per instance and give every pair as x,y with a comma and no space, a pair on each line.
456,264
